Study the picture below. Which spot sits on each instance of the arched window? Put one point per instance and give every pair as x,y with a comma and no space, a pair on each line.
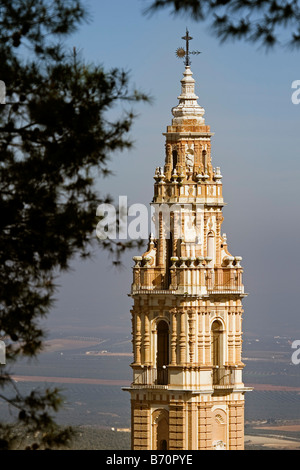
163,445
219,429
216,343
217,350
175,158
169,250
204,160
162,359
160,429
211,246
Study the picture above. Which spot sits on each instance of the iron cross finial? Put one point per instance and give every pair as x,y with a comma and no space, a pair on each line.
186,53
187,39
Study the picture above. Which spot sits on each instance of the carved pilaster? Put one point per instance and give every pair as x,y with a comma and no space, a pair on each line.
201,328
207,340
219,220
161,240
174,337
238,337
197,155
205,220
192,337
138,338
168,164
182,338
147,339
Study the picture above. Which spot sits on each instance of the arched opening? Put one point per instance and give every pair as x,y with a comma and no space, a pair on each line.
204,161
219,429
217,351
162,359
175,158
160,430
216,333
163,445
211,246
169,255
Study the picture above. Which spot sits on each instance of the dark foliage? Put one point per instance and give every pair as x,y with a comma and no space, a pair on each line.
56,139
266,22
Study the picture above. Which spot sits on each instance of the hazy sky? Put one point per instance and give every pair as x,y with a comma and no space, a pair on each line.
246,94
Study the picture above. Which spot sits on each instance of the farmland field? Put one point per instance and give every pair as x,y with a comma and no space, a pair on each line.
92,371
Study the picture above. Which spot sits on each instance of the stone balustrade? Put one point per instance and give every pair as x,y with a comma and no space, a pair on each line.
192,276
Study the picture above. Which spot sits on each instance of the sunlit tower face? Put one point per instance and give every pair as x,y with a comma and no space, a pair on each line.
187,390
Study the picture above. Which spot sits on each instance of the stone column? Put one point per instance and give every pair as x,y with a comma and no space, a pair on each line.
174,337
205,220
219,220
192,337
146,339
230,337
207,340
197,155
238,337
138,338
201,326
168,164
160,241
182,339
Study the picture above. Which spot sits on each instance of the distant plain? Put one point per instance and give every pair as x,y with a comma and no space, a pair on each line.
90,371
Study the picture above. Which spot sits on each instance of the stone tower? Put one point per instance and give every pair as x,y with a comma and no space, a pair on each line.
187,391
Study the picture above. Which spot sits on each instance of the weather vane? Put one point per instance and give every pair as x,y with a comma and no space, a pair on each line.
186,53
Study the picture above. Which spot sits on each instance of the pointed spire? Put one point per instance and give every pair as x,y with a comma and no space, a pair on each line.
188,107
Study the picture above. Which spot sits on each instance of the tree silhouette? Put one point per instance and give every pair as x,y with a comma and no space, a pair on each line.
56,138
268,23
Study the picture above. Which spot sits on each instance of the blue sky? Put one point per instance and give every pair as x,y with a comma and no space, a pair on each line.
246,94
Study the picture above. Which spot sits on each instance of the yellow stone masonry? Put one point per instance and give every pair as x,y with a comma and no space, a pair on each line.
187,391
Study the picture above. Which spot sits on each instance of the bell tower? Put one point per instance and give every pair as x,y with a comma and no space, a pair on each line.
187,391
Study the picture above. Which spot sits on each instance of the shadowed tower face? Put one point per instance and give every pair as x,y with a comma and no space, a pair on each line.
187,391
